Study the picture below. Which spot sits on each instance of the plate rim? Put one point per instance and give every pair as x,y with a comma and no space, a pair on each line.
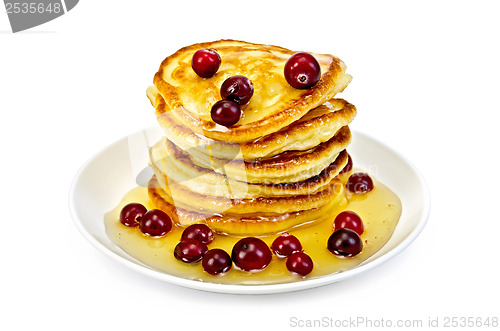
249,289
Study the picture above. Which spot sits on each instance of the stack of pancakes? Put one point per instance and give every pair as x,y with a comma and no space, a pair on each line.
275,169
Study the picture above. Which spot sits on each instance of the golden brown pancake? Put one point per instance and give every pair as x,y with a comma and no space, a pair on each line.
182,197
205,181
287,167
317,126
274,104
244,225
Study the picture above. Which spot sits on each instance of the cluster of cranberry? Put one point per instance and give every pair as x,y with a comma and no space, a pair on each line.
235,91
153,223
249,254
193,248
194,240
346,240
302,71
348,226
289,247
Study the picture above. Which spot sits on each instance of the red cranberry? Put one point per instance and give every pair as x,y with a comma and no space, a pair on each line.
205,62
155,223
302,71
251,254
350,220
200,232
237,88
345,242
360,183
216,261
131,214
226,112
285,245
348,166
190,251
300,263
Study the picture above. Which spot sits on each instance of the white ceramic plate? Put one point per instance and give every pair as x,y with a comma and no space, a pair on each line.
103,180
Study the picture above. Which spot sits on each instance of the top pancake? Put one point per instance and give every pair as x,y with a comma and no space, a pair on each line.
274,104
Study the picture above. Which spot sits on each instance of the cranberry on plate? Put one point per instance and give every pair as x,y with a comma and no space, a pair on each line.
131,214
190,251
200,232
216,261
345,242
285,245
155,223
360,182
299,263
350,220
251,254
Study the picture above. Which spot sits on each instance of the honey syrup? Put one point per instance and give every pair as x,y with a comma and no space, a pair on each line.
379,209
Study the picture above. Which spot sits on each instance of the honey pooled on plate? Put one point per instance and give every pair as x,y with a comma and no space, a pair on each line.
379,209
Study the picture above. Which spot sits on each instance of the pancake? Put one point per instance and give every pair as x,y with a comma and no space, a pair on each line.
317,126
274,104
185,198
244,225
287,167
205,181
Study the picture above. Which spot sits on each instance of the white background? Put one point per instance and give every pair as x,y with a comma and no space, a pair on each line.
426,82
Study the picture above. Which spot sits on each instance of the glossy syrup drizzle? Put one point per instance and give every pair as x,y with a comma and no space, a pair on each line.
379,209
